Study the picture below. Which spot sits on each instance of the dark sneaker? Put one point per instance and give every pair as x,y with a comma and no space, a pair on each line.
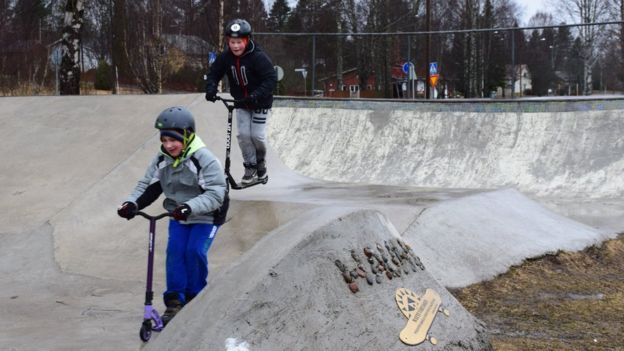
262,171
251,174
173,307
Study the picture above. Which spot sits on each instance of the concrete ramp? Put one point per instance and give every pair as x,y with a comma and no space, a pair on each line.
475,238
291,295
565,148
65,255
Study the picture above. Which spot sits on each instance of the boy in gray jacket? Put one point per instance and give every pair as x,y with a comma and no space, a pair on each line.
193,181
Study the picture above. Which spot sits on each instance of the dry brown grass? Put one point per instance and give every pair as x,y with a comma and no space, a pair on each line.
566,301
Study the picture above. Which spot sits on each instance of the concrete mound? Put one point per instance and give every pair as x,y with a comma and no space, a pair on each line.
292,296
474,238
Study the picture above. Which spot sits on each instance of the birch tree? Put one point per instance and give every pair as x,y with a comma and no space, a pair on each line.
69,76
587,11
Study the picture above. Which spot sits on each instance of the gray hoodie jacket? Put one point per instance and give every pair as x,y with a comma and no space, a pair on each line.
202,189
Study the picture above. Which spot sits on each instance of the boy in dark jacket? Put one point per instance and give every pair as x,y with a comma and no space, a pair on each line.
193,181
252,80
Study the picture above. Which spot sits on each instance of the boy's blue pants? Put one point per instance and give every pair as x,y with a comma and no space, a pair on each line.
187,258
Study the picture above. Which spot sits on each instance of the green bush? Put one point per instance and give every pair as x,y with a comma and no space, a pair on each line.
103,76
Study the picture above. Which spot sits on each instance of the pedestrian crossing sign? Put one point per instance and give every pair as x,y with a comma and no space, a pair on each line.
433,68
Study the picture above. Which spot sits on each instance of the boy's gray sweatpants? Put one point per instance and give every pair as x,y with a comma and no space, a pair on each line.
252,133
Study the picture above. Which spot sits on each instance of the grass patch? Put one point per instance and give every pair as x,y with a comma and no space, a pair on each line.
564,301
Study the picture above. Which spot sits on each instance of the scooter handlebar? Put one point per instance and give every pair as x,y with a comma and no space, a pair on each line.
226,101
157,217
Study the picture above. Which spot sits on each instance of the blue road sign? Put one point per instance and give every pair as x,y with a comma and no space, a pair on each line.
433,68
406,67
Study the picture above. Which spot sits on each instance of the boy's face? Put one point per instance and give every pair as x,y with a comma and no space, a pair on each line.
172,146
237,45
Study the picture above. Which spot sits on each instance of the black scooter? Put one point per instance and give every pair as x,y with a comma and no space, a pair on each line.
230,105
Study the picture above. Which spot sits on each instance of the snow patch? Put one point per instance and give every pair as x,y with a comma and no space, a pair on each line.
232,344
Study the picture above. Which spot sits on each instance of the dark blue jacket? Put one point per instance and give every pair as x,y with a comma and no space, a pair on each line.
250,75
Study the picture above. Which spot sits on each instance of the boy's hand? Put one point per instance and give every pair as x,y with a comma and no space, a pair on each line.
251,99
211,94
181,212
127,210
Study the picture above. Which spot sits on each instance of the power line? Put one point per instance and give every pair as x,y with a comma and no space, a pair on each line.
476,30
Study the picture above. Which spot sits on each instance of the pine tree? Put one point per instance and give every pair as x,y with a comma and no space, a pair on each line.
278,16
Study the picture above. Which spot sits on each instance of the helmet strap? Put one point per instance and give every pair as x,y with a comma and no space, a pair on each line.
188,139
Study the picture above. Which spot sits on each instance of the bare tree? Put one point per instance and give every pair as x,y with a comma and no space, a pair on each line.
618,15
144,48
587,11
69,77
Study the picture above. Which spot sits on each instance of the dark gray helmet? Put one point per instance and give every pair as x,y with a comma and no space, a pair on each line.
238,28
176,117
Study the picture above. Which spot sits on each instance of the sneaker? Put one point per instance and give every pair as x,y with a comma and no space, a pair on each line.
251,174
173,307
262,171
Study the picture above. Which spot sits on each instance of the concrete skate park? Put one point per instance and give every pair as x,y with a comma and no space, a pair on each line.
473,187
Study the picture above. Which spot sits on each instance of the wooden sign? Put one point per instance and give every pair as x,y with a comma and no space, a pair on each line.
420,312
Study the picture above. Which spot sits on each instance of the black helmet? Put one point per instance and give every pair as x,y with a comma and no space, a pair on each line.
238,28
176,117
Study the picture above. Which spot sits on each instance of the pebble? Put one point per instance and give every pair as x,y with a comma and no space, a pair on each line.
354,287
340,266
360,272
373,269
356,257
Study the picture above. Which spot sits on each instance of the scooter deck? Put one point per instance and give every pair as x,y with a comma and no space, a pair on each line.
239,186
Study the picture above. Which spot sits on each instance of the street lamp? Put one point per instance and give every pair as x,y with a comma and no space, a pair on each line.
304,73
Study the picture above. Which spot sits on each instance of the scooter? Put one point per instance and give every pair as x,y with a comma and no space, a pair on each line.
151,319
230,105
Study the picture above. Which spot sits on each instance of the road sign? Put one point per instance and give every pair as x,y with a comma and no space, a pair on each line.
412,74
433,68
406,67
279,72
212,56
56,56
433,79
303,71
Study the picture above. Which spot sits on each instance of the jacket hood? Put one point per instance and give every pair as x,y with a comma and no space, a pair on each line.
195,144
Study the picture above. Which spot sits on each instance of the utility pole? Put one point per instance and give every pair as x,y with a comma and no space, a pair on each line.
221,44
220,24
513,63
428,50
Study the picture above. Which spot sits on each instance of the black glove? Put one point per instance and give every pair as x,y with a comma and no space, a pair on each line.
211,94
181,212
127,210
250,100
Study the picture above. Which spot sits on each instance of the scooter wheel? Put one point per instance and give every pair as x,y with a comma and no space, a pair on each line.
146,331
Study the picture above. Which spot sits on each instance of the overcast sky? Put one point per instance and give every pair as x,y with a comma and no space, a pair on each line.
528,7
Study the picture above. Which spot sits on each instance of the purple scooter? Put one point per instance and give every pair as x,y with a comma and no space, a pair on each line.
151,318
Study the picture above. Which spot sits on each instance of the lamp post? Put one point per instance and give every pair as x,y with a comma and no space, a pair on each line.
304,73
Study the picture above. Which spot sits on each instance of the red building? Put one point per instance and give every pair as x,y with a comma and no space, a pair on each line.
351,84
